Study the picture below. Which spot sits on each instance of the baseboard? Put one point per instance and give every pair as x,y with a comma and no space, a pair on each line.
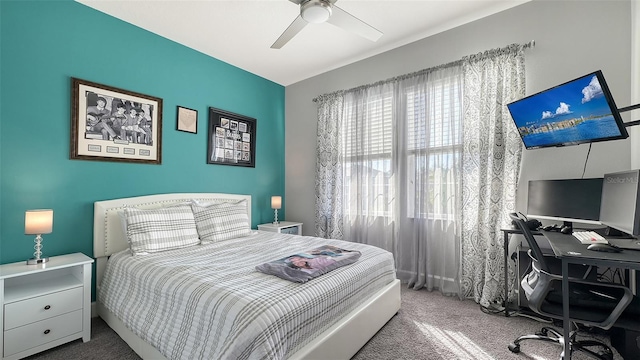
94,309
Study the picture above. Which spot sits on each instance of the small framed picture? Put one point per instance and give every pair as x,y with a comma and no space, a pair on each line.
187,120
232,139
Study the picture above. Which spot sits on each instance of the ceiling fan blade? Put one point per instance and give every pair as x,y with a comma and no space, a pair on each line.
346,21
293,29
297,2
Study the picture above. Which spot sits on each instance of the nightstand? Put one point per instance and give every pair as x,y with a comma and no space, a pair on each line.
44,305
283,227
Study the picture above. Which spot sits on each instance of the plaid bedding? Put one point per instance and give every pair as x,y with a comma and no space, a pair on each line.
209,302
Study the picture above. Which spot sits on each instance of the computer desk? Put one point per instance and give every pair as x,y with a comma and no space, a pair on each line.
568,249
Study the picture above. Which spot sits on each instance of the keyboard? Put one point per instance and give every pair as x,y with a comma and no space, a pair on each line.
589,237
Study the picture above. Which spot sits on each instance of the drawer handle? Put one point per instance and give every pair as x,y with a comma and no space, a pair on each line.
47,307
47,331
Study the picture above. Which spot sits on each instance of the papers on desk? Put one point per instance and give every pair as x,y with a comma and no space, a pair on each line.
589,237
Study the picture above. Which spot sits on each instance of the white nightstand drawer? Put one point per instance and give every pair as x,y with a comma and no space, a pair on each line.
42,307
41,332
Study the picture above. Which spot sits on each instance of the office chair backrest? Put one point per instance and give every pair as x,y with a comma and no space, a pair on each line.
533,245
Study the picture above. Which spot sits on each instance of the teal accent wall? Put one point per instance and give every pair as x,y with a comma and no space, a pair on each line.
43,45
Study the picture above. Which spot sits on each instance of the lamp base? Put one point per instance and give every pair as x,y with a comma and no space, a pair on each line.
33,261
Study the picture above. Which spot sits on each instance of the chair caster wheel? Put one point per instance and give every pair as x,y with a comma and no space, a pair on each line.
514,348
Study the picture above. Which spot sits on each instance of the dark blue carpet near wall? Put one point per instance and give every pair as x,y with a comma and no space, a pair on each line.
43,45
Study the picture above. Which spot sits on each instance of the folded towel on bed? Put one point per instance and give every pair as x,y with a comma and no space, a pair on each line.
305,266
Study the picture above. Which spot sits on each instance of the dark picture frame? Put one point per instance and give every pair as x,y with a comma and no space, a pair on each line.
112,124
232,139
187,120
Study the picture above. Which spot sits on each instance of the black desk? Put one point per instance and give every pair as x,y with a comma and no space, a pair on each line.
570,250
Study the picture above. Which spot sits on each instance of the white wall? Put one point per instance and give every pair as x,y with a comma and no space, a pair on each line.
635,83
572,38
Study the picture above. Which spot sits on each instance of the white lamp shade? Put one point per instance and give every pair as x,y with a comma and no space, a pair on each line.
276,202
38,222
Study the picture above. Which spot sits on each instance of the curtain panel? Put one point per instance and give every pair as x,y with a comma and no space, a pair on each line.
329,177
429,163
490,167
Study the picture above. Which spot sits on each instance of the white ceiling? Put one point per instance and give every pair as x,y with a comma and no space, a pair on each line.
241,32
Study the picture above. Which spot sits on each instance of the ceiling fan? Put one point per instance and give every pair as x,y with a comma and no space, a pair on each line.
319,11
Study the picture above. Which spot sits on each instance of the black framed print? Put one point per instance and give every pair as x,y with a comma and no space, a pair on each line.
187,120
111,124
232,139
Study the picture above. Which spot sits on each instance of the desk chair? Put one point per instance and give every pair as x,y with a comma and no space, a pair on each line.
592,303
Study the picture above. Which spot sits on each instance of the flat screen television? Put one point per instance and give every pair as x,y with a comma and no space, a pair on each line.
567,200
579,111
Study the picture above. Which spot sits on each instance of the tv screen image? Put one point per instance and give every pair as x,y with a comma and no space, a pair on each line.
579,111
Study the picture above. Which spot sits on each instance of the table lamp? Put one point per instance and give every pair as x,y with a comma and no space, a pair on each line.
276,203
38,222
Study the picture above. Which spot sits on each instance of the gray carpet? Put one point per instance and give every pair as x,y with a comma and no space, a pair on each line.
432,326
429,326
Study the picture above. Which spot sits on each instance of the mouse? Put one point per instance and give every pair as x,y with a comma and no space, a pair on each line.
566,230
604,248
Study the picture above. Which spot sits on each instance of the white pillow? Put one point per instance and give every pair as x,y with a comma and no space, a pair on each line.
154,230
123,217
222,221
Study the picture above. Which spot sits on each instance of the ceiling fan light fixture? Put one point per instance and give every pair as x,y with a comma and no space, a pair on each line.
316,11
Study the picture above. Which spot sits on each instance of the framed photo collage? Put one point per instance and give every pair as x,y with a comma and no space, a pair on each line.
231,139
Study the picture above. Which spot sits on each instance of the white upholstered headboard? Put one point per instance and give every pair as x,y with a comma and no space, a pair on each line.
108,237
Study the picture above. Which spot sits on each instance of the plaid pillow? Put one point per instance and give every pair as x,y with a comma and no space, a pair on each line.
222,221
154,230
123,216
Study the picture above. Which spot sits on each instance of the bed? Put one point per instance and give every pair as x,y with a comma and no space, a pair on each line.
264,317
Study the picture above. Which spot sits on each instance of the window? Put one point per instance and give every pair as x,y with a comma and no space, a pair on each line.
429,145
434,146
368,146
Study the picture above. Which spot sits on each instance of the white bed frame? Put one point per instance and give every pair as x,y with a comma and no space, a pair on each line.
341,341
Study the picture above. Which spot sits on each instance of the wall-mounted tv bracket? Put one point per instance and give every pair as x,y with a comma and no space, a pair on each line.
629,108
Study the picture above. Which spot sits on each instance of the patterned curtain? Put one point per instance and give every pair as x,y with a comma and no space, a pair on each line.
490,166
329,190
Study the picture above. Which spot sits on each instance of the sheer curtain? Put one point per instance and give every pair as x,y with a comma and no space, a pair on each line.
395,147
369,169
429,153
425,165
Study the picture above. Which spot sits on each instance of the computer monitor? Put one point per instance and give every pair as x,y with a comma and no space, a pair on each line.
620,209
567,200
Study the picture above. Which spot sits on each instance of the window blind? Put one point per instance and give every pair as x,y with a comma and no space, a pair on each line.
369,130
